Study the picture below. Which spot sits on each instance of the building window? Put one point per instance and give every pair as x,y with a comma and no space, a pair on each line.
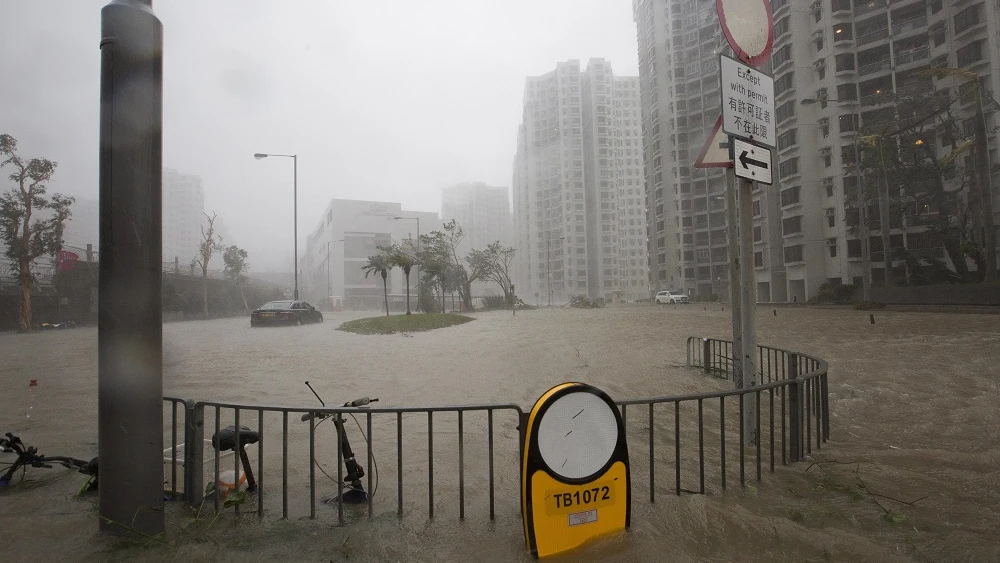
840,5
781,27
758,259
938,35
833,248
791,225
829,191
848,123
786,139
785,111
847,155
841,32
845,61
758,233
831,217
970,53
793,253
782,55
788,167
756,208
854,248
783,83
963,20
790,196
847,92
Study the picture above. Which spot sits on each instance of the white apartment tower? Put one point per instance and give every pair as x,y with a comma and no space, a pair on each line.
838,65
183,215
483,212
578,201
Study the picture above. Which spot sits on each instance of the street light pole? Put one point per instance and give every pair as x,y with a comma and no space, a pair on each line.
866,256
295,212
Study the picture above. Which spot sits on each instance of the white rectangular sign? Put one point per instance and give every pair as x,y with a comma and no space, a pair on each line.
747,102
752,162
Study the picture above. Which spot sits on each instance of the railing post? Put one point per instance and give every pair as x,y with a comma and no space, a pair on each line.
194,452
706,354
794,409
825,394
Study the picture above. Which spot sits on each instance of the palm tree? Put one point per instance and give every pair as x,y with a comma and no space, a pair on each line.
380,264
400,255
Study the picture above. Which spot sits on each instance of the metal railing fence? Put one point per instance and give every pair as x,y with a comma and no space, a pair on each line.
695,439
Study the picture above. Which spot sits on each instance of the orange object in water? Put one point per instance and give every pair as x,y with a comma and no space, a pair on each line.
226,483
33,383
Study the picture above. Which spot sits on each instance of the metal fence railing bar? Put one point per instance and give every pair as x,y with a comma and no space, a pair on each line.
690,443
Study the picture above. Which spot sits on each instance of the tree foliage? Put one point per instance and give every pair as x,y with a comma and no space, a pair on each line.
439,257
497,263
237,265
404,257
380,264
921,170
26,236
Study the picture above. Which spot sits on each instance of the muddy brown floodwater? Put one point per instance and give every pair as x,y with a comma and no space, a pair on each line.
914,402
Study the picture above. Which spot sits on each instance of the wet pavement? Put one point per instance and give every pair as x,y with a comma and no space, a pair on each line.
913,401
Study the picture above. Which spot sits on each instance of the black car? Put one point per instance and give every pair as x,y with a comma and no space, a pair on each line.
284,313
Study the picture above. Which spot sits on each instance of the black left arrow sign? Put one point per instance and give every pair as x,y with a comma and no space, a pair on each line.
745,161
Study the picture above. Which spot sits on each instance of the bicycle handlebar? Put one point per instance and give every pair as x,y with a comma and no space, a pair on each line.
356,403
28,456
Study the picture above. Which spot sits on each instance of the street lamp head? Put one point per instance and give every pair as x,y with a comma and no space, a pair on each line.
260,155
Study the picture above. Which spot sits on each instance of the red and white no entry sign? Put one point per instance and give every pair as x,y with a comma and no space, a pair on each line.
749,27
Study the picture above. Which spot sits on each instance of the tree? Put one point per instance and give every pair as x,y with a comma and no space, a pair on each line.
403,256
435,262
443,246
380,264
496,263
210,243
237,266
26,240
921,155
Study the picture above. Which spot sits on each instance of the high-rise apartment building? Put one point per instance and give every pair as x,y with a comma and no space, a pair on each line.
837,65
183,215
482,211
578,196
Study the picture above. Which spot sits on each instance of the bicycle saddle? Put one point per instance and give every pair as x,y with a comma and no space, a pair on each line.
225,439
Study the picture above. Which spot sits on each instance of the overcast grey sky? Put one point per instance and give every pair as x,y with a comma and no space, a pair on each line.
386,100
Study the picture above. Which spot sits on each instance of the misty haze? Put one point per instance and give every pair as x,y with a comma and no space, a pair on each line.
754,240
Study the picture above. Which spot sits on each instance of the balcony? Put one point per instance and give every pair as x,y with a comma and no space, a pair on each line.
912,55
868,7
876,99
873,36
877,66
909,25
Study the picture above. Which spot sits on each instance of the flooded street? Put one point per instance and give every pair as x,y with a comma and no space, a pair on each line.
914,402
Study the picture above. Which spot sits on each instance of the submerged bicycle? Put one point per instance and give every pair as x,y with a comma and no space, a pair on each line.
28,456
351,489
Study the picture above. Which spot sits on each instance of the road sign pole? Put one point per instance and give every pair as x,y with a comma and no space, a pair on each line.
736,361
748,298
